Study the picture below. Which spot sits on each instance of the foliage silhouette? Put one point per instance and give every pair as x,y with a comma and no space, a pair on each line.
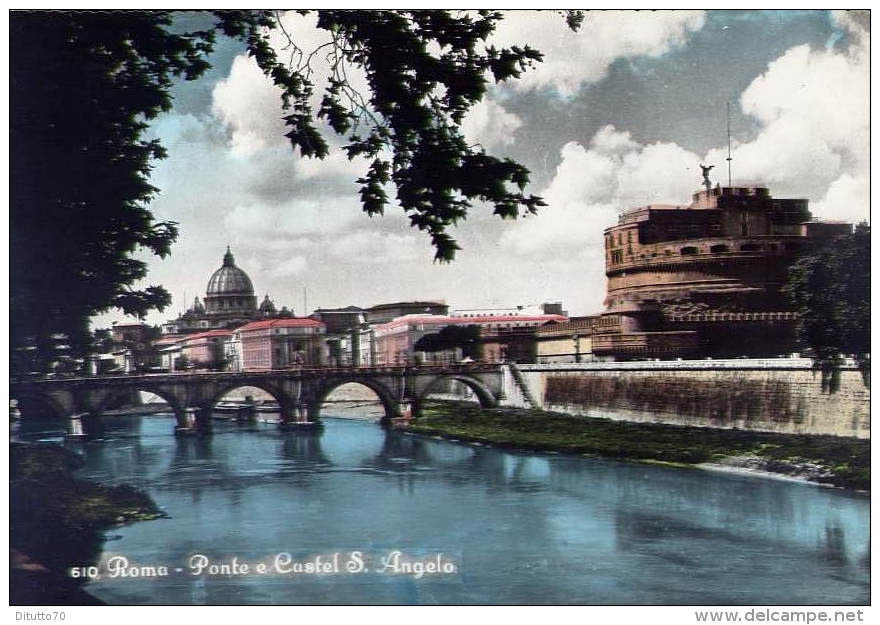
831,289
85,84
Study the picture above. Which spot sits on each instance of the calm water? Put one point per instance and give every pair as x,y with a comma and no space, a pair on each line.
516,528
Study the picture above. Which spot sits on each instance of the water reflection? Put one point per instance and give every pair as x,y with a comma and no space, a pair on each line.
524,528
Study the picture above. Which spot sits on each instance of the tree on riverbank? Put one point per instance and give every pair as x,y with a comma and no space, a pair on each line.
84,86
832,291
451,339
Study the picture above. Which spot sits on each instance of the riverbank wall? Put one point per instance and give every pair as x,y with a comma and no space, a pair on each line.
785,396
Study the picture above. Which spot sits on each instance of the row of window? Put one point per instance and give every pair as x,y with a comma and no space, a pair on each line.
690,250
487,314
610,240
731,316
224,303
654,233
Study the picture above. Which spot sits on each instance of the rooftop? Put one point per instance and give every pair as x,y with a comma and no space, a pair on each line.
291,322
415,303
444,320
205,335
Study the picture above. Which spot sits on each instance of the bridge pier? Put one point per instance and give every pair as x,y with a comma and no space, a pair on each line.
313,412
183,425
75,428
193,421
300,413
93,424
286,414
246,413
404,411
202,418
85,425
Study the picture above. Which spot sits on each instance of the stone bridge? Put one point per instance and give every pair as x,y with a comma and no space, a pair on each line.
299,392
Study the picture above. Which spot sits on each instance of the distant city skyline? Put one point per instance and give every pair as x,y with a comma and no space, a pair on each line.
619,114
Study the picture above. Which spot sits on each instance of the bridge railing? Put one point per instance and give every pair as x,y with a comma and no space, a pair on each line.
316,370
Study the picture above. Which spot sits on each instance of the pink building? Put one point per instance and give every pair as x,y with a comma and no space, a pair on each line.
396,340
279,343
206,349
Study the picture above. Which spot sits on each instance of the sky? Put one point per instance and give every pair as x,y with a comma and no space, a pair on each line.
620,114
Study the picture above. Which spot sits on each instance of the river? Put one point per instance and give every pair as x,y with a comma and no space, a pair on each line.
360,515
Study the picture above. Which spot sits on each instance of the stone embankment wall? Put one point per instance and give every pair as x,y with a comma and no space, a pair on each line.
772,395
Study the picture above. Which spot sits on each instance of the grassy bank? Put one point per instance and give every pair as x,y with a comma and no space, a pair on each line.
56,521
843,462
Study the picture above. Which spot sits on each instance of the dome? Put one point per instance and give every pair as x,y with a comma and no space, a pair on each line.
229,279
268,306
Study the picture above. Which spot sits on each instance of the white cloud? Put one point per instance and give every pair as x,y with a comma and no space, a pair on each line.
812,112
250,106
255,220
489,124
814,116
289,266
300,244
592,185
373,247
335,165
657,173
310,39
590,188
574,58
258,221
609,140
858,24
848,199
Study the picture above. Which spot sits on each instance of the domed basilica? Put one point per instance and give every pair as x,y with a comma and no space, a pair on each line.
229,302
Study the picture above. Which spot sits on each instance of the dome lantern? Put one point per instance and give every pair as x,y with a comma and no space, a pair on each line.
228,258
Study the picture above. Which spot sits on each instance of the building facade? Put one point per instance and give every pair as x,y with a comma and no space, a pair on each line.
567,342
278,344
705,279
498,337
349,337
547,308
131,346
384,313
206,350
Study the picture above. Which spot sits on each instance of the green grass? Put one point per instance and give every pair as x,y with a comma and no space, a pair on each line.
844,462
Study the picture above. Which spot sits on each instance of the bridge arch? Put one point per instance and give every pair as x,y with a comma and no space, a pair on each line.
114,395
284,400
485,396
287,398
32,405
389,402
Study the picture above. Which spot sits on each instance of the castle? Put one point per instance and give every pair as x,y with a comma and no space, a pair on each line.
705,280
